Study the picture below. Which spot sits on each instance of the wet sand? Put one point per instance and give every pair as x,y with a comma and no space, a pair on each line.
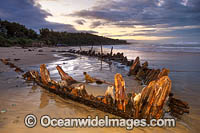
19,98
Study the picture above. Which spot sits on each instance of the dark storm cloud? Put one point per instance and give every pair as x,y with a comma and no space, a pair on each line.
145,12
28,13
150,14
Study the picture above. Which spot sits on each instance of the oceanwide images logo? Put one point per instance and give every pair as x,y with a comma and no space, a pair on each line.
30,121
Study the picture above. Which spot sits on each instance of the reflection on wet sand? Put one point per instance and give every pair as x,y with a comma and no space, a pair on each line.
75,108
44,99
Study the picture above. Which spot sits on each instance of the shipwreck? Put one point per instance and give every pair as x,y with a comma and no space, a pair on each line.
155,99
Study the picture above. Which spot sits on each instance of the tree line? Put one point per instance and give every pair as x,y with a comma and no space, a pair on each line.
15,34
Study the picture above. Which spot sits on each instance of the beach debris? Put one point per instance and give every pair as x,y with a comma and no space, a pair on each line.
65,76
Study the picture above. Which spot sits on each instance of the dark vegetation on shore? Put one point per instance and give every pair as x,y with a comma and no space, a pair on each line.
15,34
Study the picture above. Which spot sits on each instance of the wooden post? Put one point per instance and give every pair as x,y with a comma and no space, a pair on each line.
111,51
101,50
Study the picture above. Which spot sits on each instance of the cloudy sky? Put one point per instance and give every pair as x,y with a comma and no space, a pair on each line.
149,20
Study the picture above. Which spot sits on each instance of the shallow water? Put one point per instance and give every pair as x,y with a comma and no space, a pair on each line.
22,100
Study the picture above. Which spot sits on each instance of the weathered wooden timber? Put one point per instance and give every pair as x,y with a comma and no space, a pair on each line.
153,98
147,104
177,107
145,74
134,69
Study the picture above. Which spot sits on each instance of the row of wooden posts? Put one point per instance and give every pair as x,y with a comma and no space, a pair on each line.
108,57
141,71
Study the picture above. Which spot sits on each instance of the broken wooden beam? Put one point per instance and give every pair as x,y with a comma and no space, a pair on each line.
135,67
153,98
65,76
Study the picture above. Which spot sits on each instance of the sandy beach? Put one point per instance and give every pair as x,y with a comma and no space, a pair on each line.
19,98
